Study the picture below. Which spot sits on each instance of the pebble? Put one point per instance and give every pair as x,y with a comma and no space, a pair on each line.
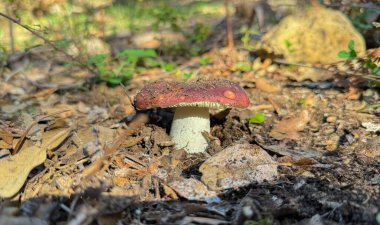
328,131
331,119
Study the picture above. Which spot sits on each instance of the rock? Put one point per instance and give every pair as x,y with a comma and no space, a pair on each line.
314,35
236,166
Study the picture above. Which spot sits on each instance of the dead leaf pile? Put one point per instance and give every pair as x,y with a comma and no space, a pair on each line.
15,169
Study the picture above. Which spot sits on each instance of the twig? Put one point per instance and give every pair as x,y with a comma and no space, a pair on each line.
230,37
73,59
11,34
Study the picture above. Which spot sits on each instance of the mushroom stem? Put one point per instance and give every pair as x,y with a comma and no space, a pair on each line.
187,127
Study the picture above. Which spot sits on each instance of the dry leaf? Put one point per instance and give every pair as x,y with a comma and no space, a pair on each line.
264,85
4,144
42,94
289,127
53,138
6,136
170,192
69,110
193,189
15,169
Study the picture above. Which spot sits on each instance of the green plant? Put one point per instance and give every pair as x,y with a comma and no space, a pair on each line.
119,69
167,15
302,102
378,218
258,118
204,61
247,38
371,66
185,75
289,46
350,53
362,18
243,66
265,221
168,67
192,44
196,38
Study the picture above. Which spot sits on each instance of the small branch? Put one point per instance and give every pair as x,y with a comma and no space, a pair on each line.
11,34
73,59
230,37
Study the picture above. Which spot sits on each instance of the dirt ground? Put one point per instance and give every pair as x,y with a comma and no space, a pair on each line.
328,171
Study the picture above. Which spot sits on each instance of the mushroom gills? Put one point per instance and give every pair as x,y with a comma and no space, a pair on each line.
187,127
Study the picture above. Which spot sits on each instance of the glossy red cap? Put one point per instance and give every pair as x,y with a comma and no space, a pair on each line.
202,93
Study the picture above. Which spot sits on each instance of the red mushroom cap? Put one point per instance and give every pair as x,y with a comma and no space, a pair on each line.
202,93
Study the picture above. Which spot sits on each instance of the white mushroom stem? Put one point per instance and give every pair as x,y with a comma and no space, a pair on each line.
187,127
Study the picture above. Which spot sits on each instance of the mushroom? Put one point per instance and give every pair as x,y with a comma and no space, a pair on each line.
192,101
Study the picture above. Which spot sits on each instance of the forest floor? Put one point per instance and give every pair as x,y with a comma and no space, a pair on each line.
77,152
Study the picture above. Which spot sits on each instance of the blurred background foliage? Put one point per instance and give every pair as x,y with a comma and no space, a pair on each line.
73,20
103,34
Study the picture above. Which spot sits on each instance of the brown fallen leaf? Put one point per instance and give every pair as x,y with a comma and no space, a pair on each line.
170,192
288,128
120,111
15,169
193,189
353,93
41,94
121,181
6,138
264,85
65,111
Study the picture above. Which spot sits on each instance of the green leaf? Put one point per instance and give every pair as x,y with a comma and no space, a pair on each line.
136,53
258,118
368,63
97,59
243,66
265,221
376,70
168,67
187,75
351,45
152,62
378,218
343,55
289,46
113,80
353,55
204,61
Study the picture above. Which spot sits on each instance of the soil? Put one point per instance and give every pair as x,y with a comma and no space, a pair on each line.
330,171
